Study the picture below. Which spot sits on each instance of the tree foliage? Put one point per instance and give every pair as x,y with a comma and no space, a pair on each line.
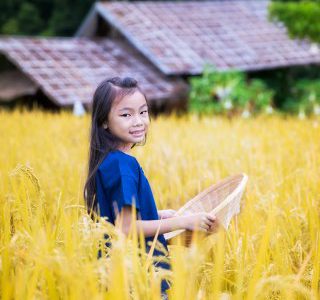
302,18
42,17
229,93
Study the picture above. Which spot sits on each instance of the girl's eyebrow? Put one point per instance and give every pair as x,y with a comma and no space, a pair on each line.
130,108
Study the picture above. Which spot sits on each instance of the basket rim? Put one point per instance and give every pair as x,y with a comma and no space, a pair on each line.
212,187
228,199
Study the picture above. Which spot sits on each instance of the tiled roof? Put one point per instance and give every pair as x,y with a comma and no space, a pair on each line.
69,69
179,37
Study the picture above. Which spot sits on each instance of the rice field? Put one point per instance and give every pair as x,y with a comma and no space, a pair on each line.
48,245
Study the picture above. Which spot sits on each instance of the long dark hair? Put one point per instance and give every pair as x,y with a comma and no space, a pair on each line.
102,141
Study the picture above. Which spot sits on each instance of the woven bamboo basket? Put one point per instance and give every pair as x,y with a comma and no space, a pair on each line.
221,199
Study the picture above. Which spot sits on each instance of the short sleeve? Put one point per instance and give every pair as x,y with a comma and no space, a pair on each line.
124,191
120,188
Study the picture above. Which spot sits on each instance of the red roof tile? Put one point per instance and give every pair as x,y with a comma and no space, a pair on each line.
180,37
69,69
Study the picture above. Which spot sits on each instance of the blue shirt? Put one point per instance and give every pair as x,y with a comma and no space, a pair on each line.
121,181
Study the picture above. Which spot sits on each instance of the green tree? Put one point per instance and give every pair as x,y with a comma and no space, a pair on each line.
28,21
68,15
302,18
42,17
228,93
8,10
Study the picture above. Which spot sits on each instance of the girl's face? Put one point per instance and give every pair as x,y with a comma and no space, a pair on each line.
129,119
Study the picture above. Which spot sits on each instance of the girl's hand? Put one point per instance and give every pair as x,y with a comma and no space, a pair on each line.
200,221
215,227
166,213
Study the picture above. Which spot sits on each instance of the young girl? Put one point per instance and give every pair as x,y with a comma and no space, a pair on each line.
116,182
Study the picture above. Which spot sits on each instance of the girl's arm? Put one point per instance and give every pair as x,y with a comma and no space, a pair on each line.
166,213
199,221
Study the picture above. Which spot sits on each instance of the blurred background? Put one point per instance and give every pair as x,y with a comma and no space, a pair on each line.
227,57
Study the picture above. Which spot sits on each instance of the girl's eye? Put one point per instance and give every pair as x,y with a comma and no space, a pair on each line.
125,115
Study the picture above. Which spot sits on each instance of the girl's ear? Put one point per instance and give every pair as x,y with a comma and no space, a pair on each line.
105,126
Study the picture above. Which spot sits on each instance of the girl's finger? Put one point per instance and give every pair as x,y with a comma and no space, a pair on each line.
208,222
212,218
205,225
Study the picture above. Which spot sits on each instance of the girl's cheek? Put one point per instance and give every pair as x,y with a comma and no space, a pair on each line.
146,118
125,119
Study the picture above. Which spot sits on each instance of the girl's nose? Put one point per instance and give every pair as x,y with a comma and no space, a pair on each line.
137,121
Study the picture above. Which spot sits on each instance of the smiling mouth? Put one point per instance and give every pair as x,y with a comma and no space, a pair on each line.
138,132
